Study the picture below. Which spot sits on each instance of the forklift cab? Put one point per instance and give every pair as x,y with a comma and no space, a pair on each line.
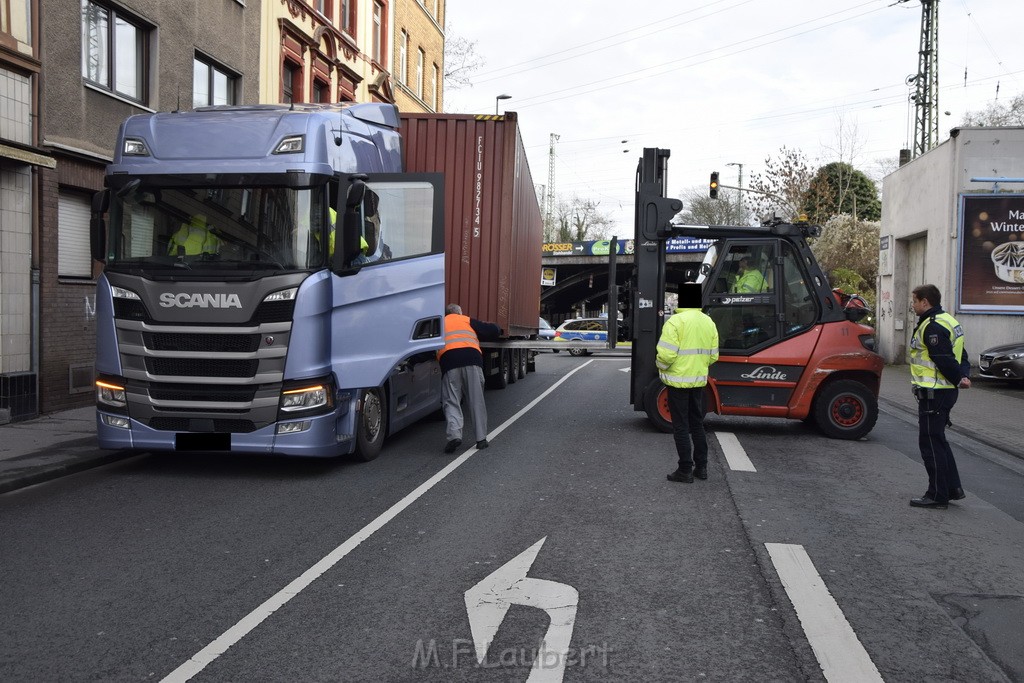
741,280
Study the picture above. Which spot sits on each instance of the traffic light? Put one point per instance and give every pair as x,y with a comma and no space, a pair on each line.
713,187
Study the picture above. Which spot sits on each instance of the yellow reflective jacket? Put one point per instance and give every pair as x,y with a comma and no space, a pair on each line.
687,348
923,371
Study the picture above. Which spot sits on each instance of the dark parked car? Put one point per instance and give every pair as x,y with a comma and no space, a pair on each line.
1003,362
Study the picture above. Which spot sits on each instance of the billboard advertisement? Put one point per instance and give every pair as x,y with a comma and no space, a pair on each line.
675,245
992,253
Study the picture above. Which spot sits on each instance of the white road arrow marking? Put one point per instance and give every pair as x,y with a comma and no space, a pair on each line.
487,604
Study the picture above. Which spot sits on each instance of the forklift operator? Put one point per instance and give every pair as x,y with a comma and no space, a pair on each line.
749,280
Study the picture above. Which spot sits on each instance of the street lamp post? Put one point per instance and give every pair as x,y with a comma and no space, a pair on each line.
739,195
498,99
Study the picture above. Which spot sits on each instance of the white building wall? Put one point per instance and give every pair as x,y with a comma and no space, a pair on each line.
922,200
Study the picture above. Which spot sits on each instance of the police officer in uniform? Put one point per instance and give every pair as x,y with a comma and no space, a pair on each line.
938,369
687,348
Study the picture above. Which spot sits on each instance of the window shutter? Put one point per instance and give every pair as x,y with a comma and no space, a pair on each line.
74,258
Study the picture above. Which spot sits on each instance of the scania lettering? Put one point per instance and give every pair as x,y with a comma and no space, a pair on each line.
184,300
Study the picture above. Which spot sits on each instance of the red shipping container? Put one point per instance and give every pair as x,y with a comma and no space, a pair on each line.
493,227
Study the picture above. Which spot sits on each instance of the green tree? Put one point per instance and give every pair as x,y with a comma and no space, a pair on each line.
848,253
838,188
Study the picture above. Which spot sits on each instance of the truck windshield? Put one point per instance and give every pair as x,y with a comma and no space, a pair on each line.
216,229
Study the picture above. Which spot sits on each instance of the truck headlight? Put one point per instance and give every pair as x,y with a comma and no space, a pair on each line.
110,394
304,398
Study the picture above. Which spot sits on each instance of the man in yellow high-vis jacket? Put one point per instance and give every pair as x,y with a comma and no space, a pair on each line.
686,350
938,369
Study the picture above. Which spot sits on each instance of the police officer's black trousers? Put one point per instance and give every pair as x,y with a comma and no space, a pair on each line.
932,417
687,408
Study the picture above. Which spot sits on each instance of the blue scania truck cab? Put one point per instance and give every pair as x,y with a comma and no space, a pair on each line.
272,283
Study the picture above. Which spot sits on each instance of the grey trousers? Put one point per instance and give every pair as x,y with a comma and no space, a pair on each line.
469,382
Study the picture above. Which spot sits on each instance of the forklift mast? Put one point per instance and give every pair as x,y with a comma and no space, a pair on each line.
651,229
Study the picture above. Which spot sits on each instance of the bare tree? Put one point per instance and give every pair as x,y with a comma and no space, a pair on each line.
996,114
578,220
461,60
700,209
782,189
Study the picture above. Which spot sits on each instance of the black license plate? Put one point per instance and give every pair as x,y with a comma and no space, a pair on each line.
204,441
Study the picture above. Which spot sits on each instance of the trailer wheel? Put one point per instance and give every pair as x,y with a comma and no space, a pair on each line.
531,361
512,367
845,409
499,379
523,359
656,405
371,425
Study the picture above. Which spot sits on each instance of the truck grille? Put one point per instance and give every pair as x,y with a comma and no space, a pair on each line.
201,343
202,367
184,424
266,312
201,392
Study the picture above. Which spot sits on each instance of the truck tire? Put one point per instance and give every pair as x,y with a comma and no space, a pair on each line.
371,424
498,380
523,357
656,405
845,409
512,366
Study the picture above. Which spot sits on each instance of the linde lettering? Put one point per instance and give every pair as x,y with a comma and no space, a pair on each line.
200,299
765,372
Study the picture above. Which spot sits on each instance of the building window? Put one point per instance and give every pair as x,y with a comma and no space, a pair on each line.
378,33
211,84
291,82
348,16
114,51
320,91
433,88
323,7
403,57
14,20
74,259
419,73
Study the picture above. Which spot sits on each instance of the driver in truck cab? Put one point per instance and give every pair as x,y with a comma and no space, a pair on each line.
193,238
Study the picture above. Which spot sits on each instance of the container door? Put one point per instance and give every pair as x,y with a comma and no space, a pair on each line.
393,307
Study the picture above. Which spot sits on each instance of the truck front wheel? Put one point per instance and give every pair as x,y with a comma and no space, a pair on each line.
845,409
371,425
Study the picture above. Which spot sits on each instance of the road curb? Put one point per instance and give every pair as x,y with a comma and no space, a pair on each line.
34,473
963,431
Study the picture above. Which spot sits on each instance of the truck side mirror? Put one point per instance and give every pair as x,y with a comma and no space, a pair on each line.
98,226
348,247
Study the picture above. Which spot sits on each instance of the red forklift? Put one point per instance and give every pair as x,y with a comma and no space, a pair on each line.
788,345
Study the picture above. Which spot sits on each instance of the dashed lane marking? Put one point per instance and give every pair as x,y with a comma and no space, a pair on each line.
734,453
208,654
840,653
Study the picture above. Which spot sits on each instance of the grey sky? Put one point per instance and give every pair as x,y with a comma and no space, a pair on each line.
722,81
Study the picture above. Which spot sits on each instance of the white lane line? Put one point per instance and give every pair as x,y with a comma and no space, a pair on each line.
840,653
734,453
201,659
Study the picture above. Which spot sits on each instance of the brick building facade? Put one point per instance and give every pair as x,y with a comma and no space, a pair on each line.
418,65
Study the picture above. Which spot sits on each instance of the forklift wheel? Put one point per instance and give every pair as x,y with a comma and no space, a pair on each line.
656,405
845,409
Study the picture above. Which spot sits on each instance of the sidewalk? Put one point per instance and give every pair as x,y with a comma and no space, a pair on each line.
62,443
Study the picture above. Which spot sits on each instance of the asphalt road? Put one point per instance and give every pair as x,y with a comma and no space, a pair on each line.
564,529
